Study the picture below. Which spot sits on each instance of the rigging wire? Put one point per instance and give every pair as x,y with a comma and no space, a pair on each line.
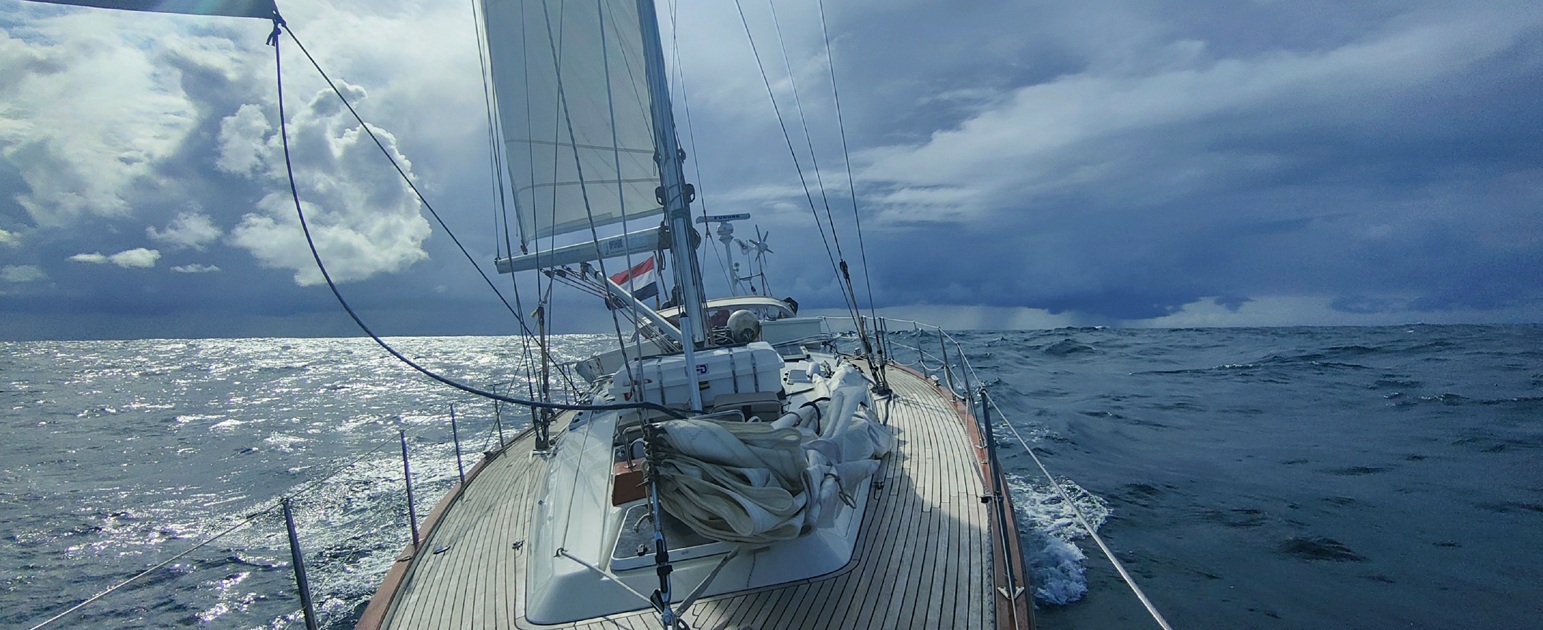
501,207
494,164
843,274
313,484
399,170
380,145
803,122
578,164
788,138
1093,533
966,368
316,255
846,156
544,295
621,190
111,589
696,164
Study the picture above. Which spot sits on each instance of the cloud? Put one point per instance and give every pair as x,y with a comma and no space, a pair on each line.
82,156
1105,162
190,230
95,258
241,146
18,274
1301,310
1197,123
9,238
363,218
137,258
195,268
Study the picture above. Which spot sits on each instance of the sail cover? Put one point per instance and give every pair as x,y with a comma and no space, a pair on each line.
234,8
573,107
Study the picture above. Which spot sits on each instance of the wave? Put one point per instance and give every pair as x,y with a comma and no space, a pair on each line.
1067,347
1048,531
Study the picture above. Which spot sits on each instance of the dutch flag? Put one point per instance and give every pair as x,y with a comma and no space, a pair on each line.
641,281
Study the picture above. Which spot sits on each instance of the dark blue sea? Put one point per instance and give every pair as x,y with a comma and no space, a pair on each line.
1248,478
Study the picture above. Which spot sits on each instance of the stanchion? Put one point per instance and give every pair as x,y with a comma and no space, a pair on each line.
455,435
407,476
306,606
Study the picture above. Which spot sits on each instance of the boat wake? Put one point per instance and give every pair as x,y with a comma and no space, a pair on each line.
1049,530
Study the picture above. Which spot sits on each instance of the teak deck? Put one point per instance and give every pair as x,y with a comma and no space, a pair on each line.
926,555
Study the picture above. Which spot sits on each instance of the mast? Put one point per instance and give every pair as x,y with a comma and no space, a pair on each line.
674,194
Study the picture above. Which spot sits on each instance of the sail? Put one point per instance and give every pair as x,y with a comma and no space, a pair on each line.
574,115
233,8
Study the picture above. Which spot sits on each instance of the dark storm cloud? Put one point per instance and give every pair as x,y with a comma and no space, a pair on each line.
1396,159
1104,162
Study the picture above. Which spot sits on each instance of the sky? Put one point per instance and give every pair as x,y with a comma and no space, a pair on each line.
1014,164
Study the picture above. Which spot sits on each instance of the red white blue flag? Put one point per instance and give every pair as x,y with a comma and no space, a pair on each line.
641,281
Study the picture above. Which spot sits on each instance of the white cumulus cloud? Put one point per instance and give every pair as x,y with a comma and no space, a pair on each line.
242,144
137,258
196,268
18,274
190,230
85,118
364,219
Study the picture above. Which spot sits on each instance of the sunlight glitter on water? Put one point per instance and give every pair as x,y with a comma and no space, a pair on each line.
1234,494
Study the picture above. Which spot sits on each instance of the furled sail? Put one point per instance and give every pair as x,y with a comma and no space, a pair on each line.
763,482
574,113
234,8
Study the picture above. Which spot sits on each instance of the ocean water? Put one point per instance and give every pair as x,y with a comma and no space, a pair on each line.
1260,478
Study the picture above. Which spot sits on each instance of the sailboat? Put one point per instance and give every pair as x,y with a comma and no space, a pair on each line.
731,463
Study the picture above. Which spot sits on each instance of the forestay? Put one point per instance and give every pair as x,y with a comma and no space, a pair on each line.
574,113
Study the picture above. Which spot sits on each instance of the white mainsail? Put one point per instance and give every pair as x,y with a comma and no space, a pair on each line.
573,103
233,8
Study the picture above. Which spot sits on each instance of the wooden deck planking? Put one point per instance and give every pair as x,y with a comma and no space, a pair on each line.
936,562
905,555
978,617
947,553
922,559
879,545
